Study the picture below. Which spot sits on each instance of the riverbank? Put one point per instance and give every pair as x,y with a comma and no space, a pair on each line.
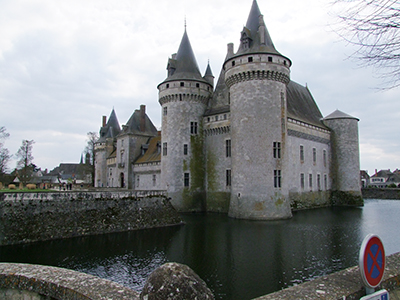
379,193
32,217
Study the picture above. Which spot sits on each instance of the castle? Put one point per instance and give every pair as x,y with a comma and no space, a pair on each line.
255,145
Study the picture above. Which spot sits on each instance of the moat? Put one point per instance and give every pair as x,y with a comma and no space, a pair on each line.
238,259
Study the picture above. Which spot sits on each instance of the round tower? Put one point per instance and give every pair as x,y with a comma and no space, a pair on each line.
257,76
184,96
345,171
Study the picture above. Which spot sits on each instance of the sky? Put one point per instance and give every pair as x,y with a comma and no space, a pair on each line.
65,64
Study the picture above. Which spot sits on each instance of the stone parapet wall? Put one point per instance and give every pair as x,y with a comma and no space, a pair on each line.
377,193
35,282
30,217
346,284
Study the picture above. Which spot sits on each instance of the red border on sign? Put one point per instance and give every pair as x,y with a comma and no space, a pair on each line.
365,251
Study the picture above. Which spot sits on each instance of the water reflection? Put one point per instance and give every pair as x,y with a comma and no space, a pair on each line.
238,259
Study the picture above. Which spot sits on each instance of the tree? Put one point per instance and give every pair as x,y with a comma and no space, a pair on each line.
25,158
92,138
5,155
373,27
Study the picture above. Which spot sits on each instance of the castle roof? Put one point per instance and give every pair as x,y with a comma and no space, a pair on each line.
301,105
112,128
252,32
153,153
208,71
183,65
139,123
337,114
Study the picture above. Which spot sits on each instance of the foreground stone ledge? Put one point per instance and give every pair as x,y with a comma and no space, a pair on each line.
41,282
342,285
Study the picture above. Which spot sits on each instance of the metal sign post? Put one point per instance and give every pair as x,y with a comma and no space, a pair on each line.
372,266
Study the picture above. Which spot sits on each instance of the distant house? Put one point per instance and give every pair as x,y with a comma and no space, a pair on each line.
364,178
384,178
71,173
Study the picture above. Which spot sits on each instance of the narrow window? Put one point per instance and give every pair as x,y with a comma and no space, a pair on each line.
277,149
137,180
314,155
154,179
228,148
164,149
302,181
208,119
326,182
233,63
228,178
225,117
319,182
250,59
197,85
165,111
193,127
310,180
284,62
229,98
324,157
185,149
277,178
186,179
270,58
182,84
301,153
167,85
216,118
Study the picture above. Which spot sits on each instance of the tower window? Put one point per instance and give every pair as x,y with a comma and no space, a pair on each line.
326,181
137,181
270,58
185,149
165,111
250,59
186,179
302,181
319,181
284,62
324,157
301,153
216,118
197,85
193,127
228,148
277,149
233,63
277,178
154,179
182,84
228,178
167,85
314,155
164,149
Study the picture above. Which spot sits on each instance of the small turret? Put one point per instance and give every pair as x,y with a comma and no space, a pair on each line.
209,75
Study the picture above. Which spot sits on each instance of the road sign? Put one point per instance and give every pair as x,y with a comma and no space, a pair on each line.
372,261
379,295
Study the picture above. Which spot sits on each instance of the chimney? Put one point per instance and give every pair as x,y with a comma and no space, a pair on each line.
142,118
104,121
230,50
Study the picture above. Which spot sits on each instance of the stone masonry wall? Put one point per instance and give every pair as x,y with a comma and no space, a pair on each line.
29,217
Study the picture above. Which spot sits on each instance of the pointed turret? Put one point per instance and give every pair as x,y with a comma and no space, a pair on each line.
183,64
209,75
111,129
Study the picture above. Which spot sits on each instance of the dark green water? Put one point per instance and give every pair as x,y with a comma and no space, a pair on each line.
238,259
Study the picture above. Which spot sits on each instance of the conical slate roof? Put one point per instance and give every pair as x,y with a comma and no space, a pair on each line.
251,30
133,125
184,64
208,71
337,114
112,128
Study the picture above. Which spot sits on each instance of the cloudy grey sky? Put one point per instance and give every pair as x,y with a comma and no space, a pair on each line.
64,64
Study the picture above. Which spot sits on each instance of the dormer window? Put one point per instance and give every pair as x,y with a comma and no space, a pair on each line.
246,40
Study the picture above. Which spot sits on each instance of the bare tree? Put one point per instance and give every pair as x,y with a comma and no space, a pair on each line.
25,164
373,26
5,155
92,138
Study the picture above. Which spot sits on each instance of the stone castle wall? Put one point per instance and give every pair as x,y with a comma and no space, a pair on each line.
30,217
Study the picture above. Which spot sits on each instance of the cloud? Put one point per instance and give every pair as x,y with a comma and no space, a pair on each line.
65,64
